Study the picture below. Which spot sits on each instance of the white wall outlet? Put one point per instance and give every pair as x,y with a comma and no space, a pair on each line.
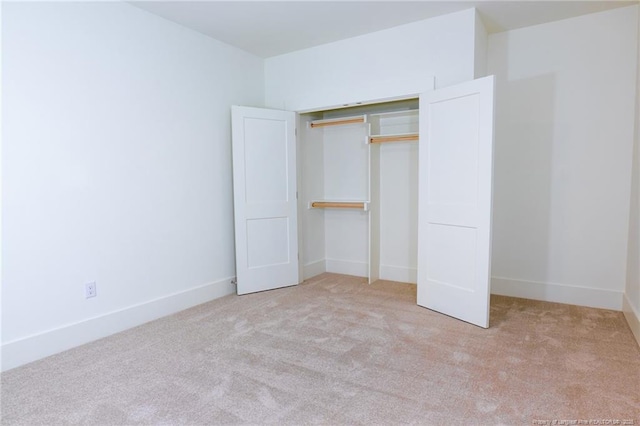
90,290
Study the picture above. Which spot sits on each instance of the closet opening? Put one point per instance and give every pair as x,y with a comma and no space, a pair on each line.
358,191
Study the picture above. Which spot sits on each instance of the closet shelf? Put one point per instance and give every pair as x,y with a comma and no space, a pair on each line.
406,137
338,121
359,205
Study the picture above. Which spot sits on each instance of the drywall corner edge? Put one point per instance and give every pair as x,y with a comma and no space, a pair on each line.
32,348
632,317
481,48
312,269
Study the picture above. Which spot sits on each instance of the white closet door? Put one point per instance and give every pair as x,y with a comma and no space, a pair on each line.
264,189
455,196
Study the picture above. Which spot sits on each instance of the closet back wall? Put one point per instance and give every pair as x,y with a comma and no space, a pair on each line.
399,211
346,177
337,165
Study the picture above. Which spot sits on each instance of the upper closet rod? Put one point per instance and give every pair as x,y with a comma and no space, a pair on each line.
338,121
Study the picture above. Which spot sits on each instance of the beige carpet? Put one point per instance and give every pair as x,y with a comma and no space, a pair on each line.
338,351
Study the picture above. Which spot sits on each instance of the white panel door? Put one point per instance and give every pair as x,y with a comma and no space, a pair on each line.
264,192
455,196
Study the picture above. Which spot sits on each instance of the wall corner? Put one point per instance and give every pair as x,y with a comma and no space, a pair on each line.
480,47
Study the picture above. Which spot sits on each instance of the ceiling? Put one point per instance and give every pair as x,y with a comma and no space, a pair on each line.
270,28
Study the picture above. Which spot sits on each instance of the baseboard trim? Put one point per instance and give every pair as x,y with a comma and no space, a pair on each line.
398,273
560,293
632,316
347,267
312,269
32,348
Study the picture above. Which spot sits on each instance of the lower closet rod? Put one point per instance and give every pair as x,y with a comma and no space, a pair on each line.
339,205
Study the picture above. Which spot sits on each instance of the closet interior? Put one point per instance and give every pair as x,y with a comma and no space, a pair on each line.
358,191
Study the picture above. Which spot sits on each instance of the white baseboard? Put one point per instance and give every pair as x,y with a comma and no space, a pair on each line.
633,317
560,293
31,348
312,269
397,273
346,267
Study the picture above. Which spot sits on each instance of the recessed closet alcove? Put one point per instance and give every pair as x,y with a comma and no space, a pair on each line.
393,190
359,191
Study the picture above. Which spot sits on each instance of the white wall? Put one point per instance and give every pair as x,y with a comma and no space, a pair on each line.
399,211
398,195
311,174
335,168
564,132
631,305
346,177
380,65
116,169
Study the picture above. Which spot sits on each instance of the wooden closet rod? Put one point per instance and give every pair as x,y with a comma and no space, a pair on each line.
337,121
338,204
393,138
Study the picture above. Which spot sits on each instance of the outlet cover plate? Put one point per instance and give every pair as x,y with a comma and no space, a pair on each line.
90,290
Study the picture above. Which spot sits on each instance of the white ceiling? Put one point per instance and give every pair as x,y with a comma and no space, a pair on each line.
270,28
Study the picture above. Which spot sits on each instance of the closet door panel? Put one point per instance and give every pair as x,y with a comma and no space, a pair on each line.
453,153
455,197
265,203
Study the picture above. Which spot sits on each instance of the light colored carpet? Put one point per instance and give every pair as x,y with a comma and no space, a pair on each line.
335,350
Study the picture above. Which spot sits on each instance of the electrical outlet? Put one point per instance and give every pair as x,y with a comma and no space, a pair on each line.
90,290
